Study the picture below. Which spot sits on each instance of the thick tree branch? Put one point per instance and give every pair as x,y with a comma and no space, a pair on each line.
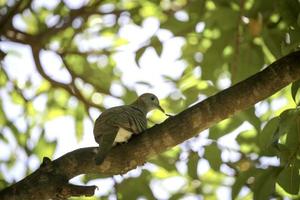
157,139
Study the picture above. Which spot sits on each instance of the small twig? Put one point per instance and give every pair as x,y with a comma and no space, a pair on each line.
71,89
70,190
237,42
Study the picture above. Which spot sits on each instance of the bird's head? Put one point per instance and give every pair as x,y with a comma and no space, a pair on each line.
151,102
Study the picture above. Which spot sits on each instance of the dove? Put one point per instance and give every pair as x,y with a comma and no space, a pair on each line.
118,124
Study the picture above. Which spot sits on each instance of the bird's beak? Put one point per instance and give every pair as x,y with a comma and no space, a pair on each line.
160,108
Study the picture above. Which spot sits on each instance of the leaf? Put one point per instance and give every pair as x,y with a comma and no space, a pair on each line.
250,116
210,66
129,96
224,127
133,188
250,61
177,196
272,39
294,91
286,119
166,162
192,165
139,53
16,98
289,125
172,24
168,159
293,136
284,154
44,148
248,137
196,8
191,95
240,181
12,161
289,178
79,117
3,78
264,184
226,23
155,42
90,176
248,141
266,135
213,155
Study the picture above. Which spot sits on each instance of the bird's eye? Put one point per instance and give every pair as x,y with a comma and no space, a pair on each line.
152,98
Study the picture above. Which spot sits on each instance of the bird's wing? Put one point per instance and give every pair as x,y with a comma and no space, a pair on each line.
130,119
125,117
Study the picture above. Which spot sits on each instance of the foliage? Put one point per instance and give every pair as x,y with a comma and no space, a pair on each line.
223,42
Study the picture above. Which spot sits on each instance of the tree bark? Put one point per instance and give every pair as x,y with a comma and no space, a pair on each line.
51,179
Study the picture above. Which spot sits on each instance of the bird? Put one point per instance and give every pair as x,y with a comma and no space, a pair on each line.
117,124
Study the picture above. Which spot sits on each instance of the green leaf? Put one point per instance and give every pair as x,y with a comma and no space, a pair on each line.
248,141
139,53
172,24
44,148
164,161
155,42
177,196
272,39
265,138
224,127
16,98
293,136
196,8
79,117
289,178
226,23
210,66
192,165
289,124
3,78
250,61
240,181
213,155
264,184
294,91
133,188
129,96
284,154
191,95
286,120
250,116
167,160
89,177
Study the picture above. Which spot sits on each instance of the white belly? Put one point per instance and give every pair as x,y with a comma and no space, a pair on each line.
123,135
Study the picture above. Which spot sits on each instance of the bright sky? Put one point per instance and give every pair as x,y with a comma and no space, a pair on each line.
20,66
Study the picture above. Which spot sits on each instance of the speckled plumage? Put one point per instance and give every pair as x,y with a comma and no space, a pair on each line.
122,120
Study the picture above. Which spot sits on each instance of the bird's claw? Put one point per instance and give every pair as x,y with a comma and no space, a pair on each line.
169,115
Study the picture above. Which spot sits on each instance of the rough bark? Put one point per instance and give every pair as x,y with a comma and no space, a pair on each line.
51,179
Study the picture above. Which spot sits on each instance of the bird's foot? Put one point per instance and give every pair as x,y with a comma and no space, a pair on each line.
122,143
169,115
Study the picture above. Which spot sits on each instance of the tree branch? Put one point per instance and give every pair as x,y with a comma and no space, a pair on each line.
70,88
159,138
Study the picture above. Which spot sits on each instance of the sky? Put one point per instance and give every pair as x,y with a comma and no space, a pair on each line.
20,65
